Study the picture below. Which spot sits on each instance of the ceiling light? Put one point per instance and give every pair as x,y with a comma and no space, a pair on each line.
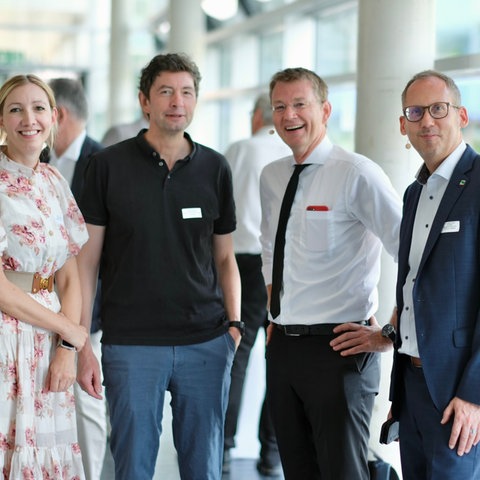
220,9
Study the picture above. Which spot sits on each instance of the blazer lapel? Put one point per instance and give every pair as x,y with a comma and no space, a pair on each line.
456,186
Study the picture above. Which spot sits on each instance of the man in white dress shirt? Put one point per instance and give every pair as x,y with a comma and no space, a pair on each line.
344,209
247,158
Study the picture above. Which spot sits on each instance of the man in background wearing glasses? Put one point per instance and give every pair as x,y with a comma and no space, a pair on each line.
343,210
436,374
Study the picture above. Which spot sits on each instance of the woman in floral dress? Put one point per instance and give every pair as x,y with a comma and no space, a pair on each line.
41,231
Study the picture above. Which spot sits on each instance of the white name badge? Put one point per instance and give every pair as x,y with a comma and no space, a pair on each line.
451,227
192,212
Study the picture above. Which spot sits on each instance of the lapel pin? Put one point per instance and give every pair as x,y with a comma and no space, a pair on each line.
462,183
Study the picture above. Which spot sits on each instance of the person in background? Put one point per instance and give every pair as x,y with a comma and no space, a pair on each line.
71,149
247,158
160,213
122,131
326,274
434,391
41,231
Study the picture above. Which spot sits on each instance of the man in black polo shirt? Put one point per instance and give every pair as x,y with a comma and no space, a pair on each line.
159,210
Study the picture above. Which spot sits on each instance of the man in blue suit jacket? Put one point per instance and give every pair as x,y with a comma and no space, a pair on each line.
436,375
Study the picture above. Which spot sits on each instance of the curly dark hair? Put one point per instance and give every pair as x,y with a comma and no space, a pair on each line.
169,62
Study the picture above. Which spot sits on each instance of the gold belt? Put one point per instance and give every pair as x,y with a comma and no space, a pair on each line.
30,282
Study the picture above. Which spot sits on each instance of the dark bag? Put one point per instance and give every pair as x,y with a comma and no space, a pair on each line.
381,470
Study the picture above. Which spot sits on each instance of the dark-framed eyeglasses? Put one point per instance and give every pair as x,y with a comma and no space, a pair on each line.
437,110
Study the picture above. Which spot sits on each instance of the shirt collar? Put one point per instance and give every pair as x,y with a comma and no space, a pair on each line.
320,153
445,169
144,145
72,152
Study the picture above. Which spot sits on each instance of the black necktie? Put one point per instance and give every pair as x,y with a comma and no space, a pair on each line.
278,251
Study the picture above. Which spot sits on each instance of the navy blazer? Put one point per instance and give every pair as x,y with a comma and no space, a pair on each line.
89,147
446,294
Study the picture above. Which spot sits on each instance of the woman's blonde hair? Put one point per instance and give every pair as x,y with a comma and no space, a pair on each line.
18,81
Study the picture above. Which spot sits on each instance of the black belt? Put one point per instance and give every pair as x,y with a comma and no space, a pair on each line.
317,329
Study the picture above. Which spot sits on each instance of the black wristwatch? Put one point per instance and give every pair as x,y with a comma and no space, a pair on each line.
64,344
388,331
238,324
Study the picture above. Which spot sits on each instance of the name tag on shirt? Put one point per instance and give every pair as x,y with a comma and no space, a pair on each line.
191,212
451,227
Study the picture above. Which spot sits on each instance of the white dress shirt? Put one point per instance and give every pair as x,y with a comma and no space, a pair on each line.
430,198
247,158
344,209
67,162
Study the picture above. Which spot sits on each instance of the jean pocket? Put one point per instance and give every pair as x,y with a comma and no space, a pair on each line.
230,341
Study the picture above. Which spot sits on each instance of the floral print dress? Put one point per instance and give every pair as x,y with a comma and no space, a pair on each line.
40,228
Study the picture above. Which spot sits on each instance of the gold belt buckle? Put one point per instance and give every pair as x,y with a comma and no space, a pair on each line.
41,283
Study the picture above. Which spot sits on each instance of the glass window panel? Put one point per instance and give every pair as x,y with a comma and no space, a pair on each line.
337,41
225,64
470,90
341,124
458,28
271,49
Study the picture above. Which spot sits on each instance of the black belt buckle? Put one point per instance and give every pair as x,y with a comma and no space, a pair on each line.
295,330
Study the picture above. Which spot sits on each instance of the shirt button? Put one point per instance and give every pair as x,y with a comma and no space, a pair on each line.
160,164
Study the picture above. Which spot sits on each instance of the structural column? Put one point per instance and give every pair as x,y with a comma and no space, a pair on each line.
122,99
187,35
187,29
396,39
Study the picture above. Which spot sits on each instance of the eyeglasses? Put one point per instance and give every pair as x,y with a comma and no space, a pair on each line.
436,110
297,107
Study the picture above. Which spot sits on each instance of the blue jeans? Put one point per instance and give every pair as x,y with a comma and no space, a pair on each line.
198,379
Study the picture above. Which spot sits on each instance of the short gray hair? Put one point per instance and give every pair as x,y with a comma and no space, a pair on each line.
263,104
69,93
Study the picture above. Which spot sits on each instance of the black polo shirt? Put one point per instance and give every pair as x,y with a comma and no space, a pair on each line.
159,282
